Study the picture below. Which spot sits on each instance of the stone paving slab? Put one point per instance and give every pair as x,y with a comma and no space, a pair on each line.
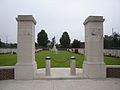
81,84
60,73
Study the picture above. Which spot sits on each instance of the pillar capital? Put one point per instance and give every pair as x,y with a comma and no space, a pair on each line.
94,19
72,58
47,58
26,18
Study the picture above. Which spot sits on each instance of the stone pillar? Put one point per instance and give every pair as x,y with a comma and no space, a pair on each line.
72,65
26,65
48,66
94,66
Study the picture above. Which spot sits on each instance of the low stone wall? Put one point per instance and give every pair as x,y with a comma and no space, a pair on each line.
6,72
38,50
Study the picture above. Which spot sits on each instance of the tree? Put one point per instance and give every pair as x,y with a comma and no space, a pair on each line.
76,44
65,40
107,42
42,38
36,45
2,44
116,40
12,45
112,41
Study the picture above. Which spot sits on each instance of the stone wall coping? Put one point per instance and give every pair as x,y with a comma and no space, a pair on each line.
26,18
11,67
113,66
7,67
94,19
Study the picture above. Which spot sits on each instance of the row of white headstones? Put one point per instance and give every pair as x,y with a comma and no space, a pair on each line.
93,66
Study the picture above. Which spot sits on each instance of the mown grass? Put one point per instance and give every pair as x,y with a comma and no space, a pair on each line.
111,61
62,59
8,59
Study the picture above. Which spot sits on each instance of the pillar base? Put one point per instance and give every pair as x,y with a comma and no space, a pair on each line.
94,70
25,71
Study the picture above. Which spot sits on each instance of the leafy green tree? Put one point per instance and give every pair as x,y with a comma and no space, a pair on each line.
36,45
76,44
42,38
116,40
112,41
65,40
12,45
2,44
108,42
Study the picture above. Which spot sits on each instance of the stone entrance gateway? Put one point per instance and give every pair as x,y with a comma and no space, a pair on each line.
93,66
26,65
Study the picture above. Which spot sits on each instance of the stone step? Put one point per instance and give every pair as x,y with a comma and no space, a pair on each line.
60,74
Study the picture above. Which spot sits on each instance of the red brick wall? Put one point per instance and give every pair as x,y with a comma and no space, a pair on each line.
113,72
6,74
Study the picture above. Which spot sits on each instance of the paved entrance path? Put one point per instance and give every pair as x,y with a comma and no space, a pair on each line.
60,73
81,84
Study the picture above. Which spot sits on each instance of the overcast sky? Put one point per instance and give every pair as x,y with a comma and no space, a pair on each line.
57,16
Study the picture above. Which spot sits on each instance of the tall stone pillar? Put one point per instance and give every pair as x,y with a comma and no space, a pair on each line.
93,66
26,65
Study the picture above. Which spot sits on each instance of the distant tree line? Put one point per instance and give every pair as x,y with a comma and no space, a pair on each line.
112,41
65,42
7,45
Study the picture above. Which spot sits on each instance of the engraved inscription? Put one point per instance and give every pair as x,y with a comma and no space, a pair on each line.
26,33
96,33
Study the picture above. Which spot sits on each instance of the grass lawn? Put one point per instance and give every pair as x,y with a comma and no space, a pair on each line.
62,59
8,59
